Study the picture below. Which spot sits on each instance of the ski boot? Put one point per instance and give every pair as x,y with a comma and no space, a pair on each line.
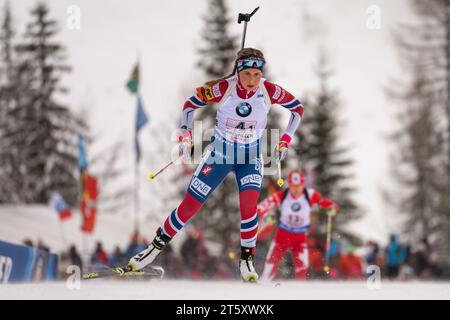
246,267
146,256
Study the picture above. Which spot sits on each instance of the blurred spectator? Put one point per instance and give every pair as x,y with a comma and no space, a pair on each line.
223,271
190,248
395,256
117,258
431,258
208,264
135,245
425,260
420,262
335,248
74,257
230,258
28,242
63,263
42,246
406,271
132,248
99,257
195,254
170,262
350,265
373,256
335,257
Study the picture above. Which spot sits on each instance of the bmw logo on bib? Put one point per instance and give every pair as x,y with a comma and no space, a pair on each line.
244,109
296,207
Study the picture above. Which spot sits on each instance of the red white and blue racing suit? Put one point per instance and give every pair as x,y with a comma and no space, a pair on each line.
235,146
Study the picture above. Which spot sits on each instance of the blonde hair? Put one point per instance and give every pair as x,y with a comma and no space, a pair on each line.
241,53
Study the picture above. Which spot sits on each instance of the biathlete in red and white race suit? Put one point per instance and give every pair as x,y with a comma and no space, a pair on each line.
294,204
243,103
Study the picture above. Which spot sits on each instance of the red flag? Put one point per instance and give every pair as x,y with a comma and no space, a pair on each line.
66,214
89,203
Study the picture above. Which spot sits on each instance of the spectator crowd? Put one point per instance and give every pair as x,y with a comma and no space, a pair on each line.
193,259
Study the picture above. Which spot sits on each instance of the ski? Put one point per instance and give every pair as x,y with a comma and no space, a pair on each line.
147,272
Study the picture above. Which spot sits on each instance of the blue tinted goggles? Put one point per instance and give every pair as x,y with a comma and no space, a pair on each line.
250,63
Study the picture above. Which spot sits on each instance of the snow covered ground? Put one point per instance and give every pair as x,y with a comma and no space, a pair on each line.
224,290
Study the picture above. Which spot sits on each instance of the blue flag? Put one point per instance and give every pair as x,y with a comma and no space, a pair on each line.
82,155
141,121
141,116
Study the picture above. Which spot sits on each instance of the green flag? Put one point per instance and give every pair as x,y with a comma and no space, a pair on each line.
133,83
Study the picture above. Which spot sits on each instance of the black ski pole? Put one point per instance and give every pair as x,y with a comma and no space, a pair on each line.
246,18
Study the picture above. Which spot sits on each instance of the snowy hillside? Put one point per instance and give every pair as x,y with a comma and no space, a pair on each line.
42,223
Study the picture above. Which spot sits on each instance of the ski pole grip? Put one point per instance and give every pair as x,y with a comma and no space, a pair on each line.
242,17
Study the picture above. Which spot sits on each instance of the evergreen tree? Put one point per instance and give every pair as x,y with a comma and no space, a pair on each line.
219,52
7,187
6,38
13,86
424,49
419,160
44,132
320,150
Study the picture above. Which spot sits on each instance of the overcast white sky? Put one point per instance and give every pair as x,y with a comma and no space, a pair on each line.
166,33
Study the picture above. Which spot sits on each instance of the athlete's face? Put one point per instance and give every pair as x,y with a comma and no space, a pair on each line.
296,189
250,78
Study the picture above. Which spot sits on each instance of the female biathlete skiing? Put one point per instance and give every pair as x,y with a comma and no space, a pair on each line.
244,102
294,205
